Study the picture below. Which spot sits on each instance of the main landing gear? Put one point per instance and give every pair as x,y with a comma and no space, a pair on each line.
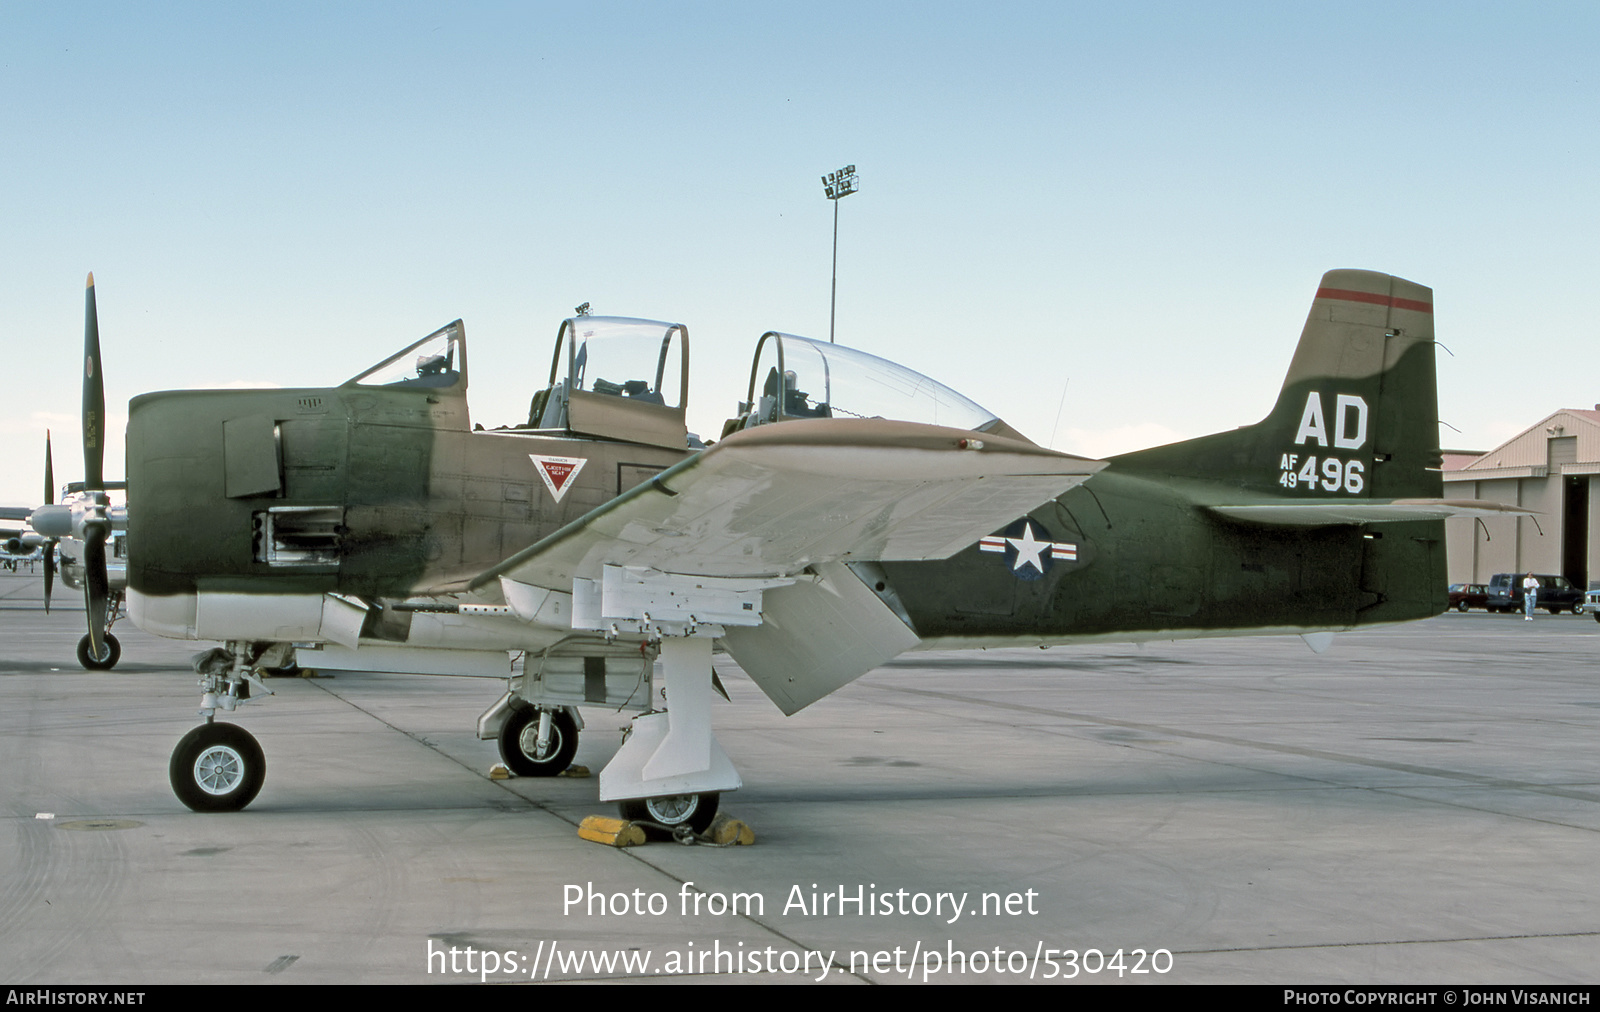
539,743
670,769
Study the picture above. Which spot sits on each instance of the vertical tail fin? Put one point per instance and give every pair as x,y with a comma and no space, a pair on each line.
1358,413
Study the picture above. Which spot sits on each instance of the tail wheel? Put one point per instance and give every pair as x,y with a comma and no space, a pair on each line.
693,810
519,744
217,768
106,661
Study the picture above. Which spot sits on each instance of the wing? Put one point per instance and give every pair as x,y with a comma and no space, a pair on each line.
754,534
771,501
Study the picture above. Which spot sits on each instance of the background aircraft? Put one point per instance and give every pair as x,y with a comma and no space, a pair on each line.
85,523
22,543
65,555
18,544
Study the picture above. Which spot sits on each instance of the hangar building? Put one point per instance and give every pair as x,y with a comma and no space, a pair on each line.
1552,467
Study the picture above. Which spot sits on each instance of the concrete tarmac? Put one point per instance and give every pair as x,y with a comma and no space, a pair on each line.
1420,804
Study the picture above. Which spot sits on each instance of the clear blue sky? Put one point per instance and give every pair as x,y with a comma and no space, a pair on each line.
1132,202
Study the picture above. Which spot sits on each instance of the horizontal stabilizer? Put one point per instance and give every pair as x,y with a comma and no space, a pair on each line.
1331,512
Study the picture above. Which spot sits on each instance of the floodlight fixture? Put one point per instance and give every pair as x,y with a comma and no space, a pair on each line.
841,183
836,185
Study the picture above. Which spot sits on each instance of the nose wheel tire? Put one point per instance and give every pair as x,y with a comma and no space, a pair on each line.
519,744
106,661
217,768
693,810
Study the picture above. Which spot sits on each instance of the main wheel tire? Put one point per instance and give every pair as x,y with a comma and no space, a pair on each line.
217,768
693,810
519,744
1461,606
106,661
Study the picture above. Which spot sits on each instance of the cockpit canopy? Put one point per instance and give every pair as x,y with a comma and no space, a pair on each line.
617,378
796,377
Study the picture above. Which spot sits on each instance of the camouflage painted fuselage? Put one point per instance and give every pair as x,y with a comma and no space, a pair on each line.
1150,563
1356,421
410,497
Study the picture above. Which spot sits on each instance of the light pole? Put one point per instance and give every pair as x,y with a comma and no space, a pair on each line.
836,185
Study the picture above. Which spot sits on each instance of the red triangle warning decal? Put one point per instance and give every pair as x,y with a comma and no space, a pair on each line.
558,473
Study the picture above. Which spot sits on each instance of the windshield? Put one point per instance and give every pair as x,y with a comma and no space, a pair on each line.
438,360
796,377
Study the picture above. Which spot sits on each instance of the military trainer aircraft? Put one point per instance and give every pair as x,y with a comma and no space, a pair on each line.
852,510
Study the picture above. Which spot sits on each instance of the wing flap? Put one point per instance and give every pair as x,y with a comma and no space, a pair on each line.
816,636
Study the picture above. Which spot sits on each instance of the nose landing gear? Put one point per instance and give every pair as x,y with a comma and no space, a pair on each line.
217,768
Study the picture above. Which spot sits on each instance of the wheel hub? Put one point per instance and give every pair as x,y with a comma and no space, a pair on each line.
218,770
528,740
673,809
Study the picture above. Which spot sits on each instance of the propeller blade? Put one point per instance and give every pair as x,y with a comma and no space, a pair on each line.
96,528
94,398
89,514
96,589
50,546
49,572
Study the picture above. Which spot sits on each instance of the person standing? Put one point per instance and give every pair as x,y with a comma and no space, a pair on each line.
1530,596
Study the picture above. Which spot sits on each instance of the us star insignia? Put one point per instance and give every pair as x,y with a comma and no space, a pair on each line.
1029,555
